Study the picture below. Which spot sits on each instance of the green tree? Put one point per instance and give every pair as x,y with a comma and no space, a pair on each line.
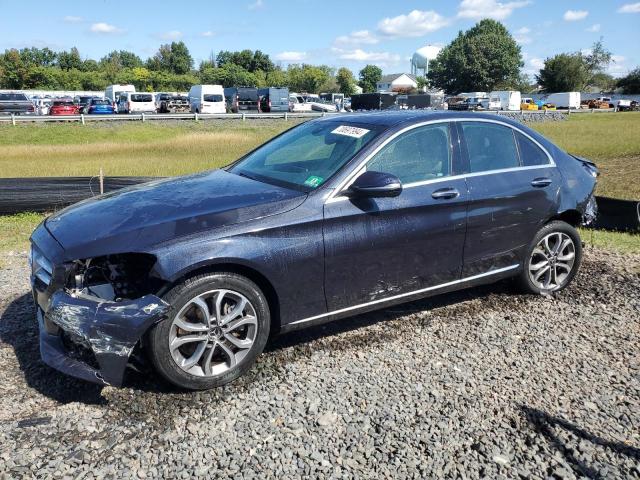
565,72
173,58
574,71
631,83
40,57
14,71
370,75
70,60
308,78
346,81
229,75
603,82
478,59
120,59
247,59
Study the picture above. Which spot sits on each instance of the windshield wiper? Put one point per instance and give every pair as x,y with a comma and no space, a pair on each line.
242,174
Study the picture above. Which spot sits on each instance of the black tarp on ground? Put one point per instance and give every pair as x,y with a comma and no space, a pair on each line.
619,215
46,194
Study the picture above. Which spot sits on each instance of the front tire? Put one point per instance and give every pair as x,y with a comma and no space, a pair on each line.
216,327
552,260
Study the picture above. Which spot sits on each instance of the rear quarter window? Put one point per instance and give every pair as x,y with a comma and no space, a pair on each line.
530,153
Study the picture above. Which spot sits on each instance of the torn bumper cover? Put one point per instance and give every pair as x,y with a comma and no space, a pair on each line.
90,338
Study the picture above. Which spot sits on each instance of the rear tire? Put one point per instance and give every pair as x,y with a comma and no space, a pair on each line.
552,260
216,327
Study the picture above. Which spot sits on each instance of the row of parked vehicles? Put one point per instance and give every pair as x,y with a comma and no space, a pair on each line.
215,99
513,101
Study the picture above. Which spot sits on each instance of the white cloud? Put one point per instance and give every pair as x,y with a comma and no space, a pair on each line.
256,5
415,24
361,37
102,27
575,15
488,8
522,36
617,66
208,33
630,8
73,19
594,28
536,63
359,55
171,35
291,56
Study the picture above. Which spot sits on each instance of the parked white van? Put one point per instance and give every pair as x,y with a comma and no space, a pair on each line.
569,100
504,100
113,92
132,102
207,99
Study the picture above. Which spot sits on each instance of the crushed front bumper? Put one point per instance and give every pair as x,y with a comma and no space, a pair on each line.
92,339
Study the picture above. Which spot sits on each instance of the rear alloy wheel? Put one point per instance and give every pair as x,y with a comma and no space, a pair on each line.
217,326
553,260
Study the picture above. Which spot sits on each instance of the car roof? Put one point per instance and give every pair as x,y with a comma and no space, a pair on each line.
402,118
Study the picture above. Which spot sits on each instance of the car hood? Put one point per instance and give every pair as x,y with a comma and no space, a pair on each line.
137,217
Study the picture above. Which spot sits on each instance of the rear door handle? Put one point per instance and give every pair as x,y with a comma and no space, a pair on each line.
541,182
445,193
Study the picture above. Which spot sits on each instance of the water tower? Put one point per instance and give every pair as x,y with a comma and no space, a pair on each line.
420,60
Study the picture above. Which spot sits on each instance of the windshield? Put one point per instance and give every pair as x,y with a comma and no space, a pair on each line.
13,97
306,156
141,97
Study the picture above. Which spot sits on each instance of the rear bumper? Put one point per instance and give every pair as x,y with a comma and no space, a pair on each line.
92,339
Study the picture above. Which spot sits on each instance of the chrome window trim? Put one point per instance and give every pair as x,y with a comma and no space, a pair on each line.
335,195
406,294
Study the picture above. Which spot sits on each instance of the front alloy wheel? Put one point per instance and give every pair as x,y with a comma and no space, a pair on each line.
216,327
213,332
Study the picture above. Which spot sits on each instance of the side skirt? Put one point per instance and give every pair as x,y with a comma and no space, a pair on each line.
483,278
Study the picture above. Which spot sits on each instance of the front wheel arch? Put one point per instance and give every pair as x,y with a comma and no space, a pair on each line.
232,267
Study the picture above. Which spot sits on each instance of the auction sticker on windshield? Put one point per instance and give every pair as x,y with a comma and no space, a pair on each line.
313,181
349,131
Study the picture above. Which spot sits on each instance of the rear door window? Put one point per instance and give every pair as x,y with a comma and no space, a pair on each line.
423,153
141,97
530,153
490,146
212,98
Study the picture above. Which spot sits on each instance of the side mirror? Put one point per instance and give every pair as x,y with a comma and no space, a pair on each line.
375,184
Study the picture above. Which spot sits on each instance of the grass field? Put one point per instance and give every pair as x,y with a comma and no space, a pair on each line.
173,148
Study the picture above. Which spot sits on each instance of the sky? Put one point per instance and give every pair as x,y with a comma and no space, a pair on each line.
338,33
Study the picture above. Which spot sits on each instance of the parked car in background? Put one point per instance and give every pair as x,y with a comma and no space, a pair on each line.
113,93
99,106
565,100
241,99
624,105
606,100
508,100
172,103
42,105
336,99
297,104
64,106
274,99
16,103
132,102
528,104
207,99
196,272
81,101
470,103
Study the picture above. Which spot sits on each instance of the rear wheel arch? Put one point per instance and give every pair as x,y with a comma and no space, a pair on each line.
571,216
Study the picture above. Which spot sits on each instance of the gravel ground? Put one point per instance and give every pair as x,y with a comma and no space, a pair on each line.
479,384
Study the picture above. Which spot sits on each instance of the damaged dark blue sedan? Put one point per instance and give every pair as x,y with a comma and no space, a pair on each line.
332,218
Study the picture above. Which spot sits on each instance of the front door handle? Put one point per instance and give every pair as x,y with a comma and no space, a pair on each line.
445,193
541,182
